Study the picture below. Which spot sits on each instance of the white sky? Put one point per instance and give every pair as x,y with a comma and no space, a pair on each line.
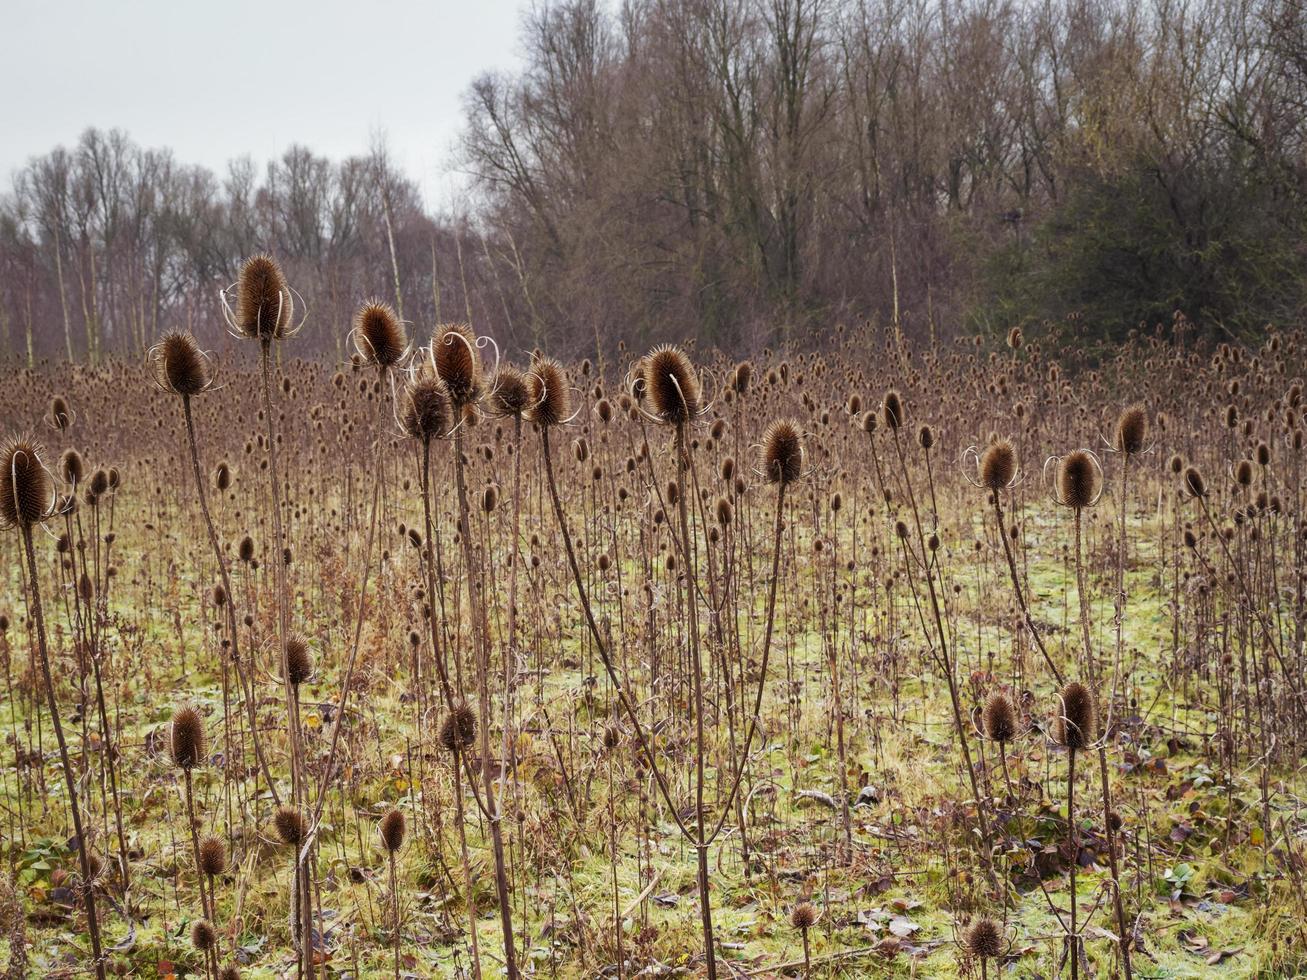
218,80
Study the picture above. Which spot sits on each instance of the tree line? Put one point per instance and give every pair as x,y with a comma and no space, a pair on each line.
744,172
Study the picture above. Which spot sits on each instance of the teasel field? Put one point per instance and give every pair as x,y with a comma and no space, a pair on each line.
874,658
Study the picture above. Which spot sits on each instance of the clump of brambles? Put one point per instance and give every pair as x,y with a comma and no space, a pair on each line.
436,665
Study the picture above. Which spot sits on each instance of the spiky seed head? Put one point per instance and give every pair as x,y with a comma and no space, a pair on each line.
803,916
1078,480
891,409
265,306
378,334
869,422
213,856
61,416
458,363
1076,725
245,550
1014,338
671,385
743,375
782,452
459,729
1132,431
999,718
612,737
550,398
426,412
299,660
179,364
222,477
1194,483
72,468
392,829
1243,472
229,973
925,437
1263,454
997,467
99,484
187,742
984,939
26,487
291,825
511,394
203,936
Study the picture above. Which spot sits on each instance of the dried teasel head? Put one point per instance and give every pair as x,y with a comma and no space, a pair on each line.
511,393
291,825
27,494
1194,484
299,660
550,398
392,829
891,410
203,936
999,718
459,729
804,916
983,939
671,385
1079,480
229,973
457,361
1076,724
426,412
179,364
187,739
213,856
997,466
72,467
1131,431
781,455
378,334
265,306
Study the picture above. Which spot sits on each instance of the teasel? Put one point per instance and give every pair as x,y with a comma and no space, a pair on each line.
188,747
671,386
803,917
455,357
997,470
260,305
182,368
458,733
983,939
391,829
27,499
378,335
1075,727
999,724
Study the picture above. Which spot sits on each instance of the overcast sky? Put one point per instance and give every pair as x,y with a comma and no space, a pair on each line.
215,81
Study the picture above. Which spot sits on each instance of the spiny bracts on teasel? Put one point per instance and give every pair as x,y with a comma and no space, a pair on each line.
379,335
547,385
999,718
671,385
392,829
187,741
290,824
299,660
26,487
457,361
1076,724
984,939
1078,480
203,936
997,467
179,364
511,394
1131,431
426,413
781,455
213,856
804,916
265,306
459,729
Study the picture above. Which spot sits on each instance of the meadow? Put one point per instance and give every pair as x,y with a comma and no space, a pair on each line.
879,658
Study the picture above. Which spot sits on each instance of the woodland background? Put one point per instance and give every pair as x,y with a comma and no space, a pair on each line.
740,173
